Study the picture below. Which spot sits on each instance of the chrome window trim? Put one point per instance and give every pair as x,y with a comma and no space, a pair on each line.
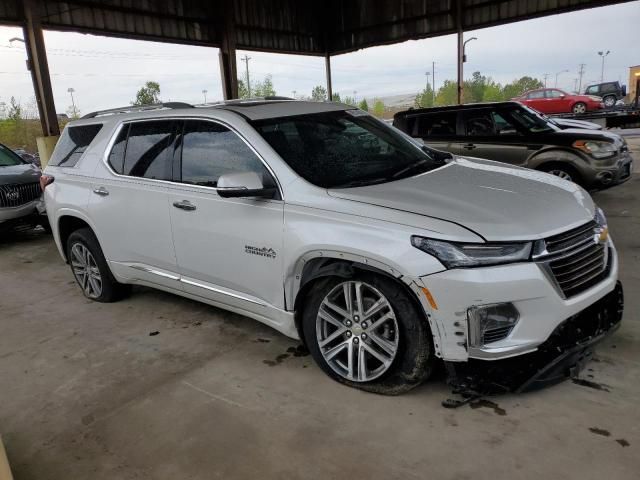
114,136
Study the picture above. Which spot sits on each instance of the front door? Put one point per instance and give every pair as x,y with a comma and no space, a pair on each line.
491,135
229,250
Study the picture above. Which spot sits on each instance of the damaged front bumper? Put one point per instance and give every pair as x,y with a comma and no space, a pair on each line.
561,356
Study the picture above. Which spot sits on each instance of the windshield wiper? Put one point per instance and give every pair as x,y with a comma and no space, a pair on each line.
410,167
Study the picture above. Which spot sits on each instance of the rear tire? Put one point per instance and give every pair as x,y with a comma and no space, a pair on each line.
388,356
90,269
579,108
609,101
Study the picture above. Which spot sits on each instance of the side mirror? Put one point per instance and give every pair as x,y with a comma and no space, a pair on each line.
562,96
243,184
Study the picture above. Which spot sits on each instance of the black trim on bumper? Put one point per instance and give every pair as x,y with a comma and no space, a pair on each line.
560,357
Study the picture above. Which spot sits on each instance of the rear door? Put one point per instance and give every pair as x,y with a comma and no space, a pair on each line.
494,136
229,250
536,99
436,130
128,202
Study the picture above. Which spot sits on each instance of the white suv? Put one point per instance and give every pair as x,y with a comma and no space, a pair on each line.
380,254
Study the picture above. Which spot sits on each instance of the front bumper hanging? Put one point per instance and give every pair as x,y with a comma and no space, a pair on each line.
561,356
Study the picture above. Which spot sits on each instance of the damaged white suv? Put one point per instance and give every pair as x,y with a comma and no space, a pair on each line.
332,227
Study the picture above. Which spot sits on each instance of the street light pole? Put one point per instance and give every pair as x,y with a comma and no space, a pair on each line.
603,54
204,93
462,58
73,102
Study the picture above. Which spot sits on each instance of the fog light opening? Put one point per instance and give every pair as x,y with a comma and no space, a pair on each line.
491,323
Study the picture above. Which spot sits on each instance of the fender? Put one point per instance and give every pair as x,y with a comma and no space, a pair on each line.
69,212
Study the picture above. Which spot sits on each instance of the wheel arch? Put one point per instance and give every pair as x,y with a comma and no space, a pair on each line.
319,265
67,223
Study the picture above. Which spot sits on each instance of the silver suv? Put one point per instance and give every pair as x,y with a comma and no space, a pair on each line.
324,223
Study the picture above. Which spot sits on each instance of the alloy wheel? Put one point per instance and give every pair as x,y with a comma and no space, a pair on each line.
86,270
562,174
357,331
579,108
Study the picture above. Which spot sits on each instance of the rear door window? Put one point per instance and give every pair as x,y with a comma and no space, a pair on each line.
434,125
535,95
479,123
72,144
149,150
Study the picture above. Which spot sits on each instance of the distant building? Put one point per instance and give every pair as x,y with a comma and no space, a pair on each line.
634,79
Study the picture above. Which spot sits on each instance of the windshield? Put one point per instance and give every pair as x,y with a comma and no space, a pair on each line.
531,121
347,148
8,158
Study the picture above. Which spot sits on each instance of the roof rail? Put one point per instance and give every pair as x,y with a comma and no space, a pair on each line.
138,108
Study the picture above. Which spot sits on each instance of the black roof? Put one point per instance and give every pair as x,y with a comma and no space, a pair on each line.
456,108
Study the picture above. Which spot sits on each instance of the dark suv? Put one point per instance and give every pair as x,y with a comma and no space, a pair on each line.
513,133
610,92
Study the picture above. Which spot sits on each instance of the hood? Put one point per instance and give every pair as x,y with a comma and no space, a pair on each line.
25,173
579,124
496,201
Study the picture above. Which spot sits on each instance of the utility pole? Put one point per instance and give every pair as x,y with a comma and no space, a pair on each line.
603,54
581,73
546,75
246,59
204,93
73,102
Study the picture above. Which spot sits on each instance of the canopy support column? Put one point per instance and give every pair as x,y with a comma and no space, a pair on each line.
327,66
460,53
39,68
227,57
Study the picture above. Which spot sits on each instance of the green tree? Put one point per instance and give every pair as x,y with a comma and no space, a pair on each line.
519,86
242,89
319,93
363,105
424,99
336,97
349,101
447,93
73,113
492,92
15,110
149,94
264,88
378,108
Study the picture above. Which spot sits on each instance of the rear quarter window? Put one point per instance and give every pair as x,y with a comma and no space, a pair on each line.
433,125
73,142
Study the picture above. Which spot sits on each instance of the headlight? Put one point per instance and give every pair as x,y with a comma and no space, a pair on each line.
600,218
453,255
596,149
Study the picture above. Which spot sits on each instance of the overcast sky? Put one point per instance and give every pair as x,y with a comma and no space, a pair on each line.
106,72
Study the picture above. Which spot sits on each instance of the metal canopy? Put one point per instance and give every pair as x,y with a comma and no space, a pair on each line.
307,27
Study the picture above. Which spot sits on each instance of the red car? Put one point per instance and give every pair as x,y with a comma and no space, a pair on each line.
554,100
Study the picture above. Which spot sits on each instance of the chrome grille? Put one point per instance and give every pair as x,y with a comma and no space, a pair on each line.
15,195
576,260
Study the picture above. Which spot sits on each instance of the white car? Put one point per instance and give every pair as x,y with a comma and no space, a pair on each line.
328,225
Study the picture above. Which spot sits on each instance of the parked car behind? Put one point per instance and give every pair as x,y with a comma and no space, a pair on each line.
512,133
321,221
554,100
610,92
21,201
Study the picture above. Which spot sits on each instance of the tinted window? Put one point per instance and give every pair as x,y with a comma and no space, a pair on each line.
210,150
116,156
344,148
504,125
434,125
609,88
8,158
72,144
478,124
536,94
149,150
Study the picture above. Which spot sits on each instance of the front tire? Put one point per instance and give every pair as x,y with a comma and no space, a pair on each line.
609,101
579,108
366,332
90,269
566,172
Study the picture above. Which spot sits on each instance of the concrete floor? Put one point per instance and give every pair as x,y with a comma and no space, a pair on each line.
88,390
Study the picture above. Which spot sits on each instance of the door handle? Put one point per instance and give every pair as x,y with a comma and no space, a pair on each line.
103,192
469,146
185,205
